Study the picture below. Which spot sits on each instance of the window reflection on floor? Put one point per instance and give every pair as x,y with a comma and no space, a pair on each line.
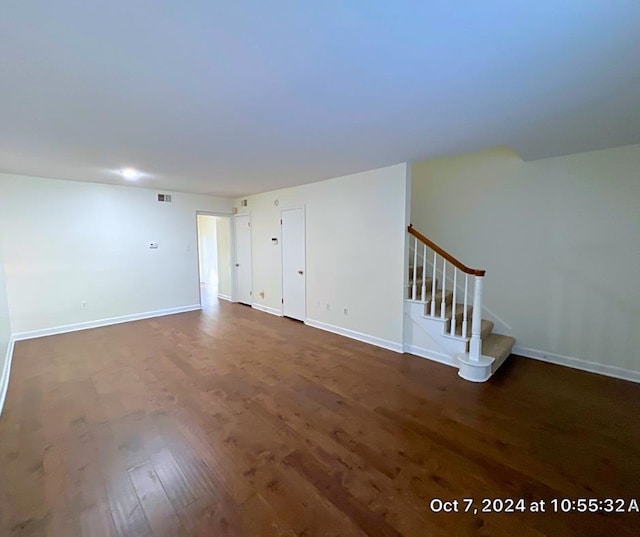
208,297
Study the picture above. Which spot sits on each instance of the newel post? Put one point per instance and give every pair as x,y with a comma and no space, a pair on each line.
475,345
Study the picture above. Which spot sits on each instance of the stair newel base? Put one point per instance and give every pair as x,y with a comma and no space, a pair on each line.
475,370
475,344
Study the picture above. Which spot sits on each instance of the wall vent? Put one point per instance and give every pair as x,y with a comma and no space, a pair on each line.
165,198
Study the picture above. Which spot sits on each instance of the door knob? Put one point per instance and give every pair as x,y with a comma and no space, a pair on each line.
300,272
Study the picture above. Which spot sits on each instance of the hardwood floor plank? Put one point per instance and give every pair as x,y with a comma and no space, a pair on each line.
156,505
128,516
221,518
368,521
180,491
232,422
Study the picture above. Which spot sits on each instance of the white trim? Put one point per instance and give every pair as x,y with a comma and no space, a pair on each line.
31,334
366,338
4,374
225,297
267,309
429,354
578,363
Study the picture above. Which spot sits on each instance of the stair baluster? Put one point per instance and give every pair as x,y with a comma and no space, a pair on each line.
415,268
443,303
453,304
433,285
464,311
424,272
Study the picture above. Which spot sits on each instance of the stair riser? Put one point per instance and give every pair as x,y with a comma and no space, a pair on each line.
499,362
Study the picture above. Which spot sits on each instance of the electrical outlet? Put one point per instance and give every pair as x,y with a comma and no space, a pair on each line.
346,311
328,307
83,305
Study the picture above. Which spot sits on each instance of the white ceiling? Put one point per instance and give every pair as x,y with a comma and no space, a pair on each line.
237,97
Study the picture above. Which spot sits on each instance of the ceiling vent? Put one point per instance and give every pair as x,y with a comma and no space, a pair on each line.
164,198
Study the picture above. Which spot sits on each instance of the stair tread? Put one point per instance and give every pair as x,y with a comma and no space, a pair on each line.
497,345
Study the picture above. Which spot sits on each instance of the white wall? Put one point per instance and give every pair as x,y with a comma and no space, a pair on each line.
5,330
66,242
223,235
560,239
355,236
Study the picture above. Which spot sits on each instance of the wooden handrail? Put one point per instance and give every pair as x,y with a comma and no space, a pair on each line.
442,253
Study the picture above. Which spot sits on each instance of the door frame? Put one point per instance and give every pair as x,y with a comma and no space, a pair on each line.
233,246
303,207
234,272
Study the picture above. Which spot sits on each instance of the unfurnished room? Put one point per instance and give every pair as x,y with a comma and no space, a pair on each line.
319,269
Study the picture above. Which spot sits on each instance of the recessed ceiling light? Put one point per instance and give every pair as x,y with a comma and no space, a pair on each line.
130,174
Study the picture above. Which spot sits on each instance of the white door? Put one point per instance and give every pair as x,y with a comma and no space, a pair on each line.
293,264
243,259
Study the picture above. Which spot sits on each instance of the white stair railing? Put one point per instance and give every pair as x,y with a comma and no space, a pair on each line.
419,247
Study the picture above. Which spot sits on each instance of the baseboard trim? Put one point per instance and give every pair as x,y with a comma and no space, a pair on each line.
4,374
352,334
224,297
578,363
435,356
267,309
32,334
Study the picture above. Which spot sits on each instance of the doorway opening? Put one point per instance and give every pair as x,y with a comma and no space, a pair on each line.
214,259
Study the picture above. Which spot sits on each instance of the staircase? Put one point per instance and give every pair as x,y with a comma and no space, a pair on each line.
443,313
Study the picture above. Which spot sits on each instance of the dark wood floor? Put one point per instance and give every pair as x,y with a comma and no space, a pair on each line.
235,422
